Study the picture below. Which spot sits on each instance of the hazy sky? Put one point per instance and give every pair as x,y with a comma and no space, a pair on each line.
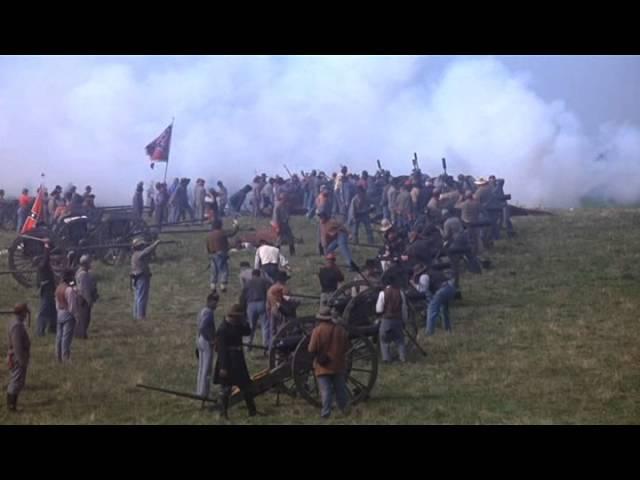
539,121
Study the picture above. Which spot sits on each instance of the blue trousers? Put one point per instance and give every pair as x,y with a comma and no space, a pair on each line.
392,331
440,301
219,268
340,243
141,297
64,335
256,313
367,227
330,385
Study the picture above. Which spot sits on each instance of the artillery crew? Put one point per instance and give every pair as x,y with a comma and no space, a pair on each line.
47,316
218,249
18,355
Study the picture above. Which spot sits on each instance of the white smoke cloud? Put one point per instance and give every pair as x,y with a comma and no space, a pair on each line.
87,120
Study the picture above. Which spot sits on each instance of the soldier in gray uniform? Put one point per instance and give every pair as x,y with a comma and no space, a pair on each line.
19,350
87,289
204,344
141,276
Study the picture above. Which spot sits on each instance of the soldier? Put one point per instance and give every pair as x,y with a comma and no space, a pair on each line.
255,296
199,193
330,343
392,306
470,215
443,290
281,224
47,316
223,196
333,236
330,277
204,344
231,367
218,249
24,204
141,275
87,290
66,307
236,201
138,201
403,207
19,353
161,203
269,259
277,296
359,214
150,200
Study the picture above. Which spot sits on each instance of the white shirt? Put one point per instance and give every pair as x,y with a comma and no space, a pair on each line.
268,254
380,305
423,283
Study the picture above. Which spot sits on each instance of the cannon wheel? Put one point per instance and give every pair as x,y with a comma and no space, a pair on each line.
362,371
295,327
25,254
116,256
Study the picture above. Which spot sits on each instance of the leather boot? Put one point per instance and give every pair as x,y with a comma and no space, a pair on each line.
224,406
12,402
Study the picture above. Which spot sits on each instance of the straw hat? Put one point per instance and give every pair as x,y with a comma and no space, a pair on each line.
481,181
324,313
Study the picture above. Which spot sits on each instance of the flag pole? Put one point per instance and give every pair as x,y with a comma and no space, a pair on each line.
166,166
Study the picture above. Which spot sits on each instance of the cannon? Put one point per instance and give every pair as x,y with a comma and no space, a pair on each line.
109,240
290,367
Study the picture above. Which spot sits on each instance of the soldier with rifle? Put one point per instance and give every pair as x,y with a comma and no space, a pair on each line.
18,355
359,215
141,275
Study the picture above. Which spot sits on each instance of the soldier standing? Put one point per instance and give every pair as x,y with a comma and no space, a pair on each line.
204,344
330,343
223,197
199,193
359,214
392,305
218,249
47,316
281,224
231,367
138,201
66,306
87,289
19,353
141,275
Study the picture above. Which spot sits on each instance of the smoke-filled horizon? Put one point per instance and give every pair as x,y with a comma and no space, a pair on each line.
86,120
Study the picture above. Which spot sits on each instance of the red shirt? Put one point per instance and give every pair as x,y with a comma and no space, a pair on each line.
25,201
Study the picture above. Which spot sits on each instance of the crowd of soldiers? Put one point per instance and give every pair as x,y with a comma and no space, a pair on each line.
420,218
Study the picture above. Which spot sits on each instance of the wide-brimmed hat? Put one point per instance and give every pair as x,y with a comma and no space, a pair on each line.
20,308
85,259
481,181
236,311
138,241
324,313
385,225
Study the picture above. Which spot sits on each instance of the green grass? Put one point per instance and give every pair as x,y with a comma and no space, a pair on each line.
549,335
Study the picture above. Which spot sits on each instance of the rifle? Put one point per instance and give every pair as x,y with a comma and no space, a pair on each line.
415,161
300,295
178,394
444,165
288,171
379,165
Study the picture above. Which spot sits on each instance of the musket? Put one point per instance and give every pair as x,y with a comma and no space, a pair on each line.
287,169
444,165
367,245
415,161
379,164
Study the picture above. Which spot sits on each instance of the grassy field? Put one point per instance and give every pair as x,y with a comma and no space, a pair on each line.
550,335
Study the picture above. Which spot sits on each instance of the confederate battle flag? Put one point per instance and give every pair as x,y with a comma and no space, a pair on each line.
36,213
158,150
